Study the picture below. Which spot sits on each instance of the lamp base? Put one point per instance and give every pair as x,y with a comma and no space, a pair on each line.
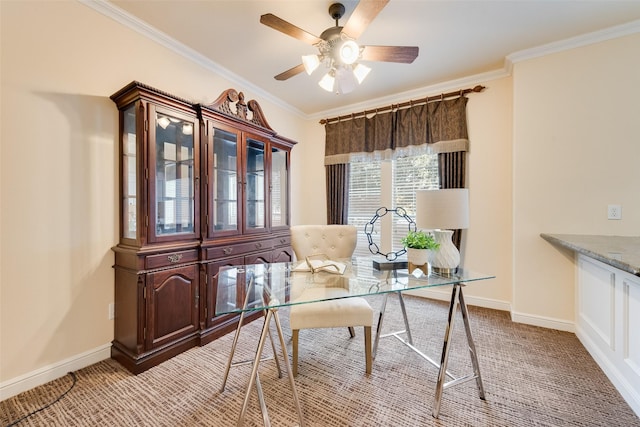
445,272
446,258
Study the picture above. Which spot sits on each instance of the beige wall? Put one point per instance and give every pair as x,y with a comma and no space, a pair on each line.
576,150
60,63
309,205
550,148
488,247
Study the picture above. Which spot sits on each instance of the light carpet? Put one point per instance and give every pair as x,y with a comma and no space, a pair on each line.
532,377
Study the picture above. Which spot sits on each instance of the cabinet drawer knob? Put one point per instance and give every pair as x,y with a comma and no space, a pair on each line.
258,245
282,241
174,258
227,251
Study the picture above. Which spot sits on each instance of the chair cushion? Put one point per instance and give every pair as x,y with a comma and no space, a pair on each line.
335,241
336,313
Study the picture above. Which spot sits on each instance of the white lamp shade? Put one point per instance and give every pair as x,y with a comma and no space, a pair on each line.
442,209
361,72
345,80
327,82
310,62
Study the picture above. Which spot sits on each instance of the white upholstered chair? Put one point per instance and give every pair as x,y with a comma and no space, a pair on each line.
335,241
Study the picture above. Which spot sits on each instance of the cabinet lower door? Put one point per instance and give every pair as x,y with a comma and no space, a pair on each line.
282,255
172,305
212,291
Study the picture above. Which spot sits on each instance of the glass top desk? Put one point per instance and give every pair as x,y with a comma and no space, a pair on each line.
268,287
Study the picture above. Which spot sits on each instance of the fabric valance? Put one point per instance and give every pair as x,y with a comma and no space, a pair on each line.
434,127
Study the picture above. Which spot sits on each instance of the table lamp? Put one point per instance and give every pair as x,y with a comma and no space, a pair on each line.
443,211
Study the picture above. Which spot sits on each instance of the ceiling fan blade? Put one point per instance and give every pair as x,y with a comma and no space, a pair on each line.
362,15
404,54
270,20
290,72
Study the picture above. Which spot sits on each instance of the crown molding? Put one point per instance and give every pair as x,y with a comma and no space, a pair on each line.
112,11
523,55
572,43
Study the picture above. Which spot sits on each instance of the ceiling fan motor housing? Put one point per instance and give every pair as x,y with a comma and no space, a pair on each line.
336,10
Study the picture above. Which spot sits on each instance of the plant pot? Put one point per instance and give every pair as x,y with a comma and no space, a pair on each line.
418,256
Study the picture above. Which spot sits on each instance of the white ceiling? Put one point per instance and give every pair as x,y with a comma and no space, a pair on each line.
457,39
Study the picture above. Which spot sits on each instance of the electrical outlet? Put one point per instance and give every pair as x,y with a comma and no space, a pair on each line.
112,311
614,212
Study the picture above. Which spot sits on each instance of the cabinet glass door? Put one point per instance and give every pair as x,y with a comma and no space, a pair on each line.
129,173
174,175
255,185
279,188
225,180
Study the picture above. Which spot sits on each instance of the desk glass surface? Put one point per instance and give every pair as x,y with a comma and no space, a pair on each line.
265,286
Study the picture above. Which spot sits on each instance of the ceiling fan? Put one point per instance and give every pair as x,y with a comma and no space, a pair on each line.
337,47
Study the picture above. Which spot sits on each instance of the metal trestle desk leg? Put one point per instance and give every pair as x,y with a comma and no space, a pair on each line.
406,330
456,297
254,372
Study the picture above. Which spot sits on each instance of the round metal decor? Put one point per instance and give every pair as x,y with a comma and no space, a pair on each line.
370,226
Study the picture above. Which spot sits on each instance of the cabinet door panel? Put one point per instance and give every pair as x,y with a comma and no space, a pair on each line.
259,258
130,182
172,305
279,188
212,282
255,186
282,255
173,166
224,180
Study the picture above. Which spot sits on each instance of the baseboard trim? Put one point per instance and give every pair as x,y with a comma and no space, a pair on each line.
444,294
543,322
45,374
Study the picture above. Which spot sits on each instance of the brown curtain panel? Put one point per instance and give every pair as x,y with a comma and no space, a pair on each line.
337,193
452,174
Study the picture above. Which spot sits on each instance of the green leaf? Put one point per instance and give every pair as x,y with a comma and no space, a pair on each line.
419,240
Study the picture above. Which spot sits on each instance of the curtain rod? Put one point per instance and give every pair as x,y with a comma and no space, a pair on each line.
391,107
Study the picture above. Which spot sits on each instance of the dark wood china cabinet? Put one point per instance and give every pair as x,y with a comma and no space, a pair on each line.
201,186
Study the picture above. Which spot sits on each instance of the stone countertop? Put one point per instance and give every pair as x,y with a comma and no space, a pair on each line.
622,252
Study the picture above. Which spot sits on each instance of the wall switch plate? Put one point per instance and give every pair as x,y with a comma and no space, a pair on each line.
614,212
112,311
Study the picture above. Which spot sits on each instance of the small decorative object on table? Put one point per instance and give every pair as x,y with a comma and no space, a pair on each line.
321,262
419,244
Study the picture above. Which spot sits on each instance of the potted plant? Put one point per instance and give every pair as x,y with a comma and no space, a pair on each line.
419,244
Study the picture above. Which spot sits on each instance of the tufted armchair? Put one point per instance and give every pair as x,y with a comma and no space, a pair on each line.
337,242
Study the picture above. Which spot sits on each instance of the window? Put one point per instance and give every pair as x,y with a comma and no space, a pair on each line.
390,184
411,174
364,199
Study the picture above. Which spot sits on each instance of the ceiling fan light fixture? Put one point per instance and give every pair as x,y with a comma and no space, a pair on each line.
337,48
310,62
349,52
361,71
345,80
327,82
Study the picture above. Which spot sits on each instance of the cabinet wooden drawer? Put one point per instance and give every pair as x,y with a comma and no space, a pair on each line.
238,249
171,258
281,241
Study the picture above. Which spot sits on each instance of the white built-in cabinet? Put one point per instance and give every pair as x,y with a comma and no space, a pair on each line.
608,323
